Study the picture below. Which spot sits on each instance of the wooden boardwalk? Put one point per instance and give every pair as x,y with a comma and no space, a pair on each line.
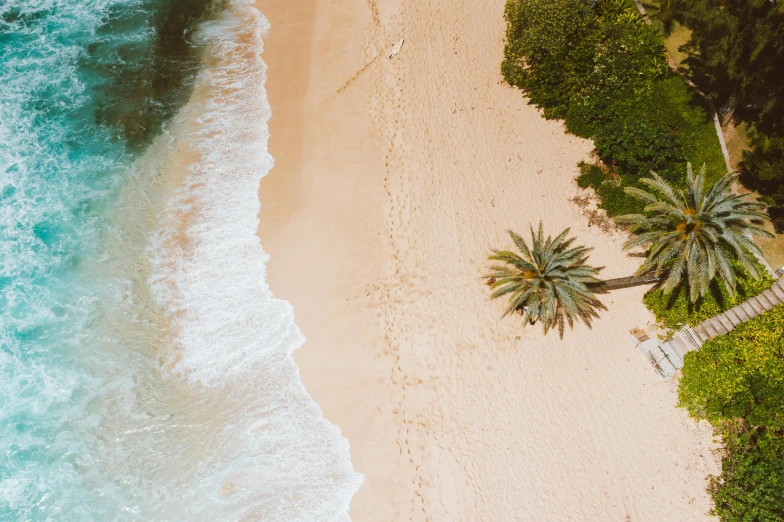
668,356
725,322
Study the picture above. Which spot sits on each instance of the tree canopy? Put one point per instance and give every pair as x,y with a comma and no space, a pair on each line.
737,57
696,234
546,282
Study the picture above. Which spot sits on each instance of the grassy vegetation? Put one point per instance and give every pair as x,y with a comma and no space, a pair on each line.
675,34
675,41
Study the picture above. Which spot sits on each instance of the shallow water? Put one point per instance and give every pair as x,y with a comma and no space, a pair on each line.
145,366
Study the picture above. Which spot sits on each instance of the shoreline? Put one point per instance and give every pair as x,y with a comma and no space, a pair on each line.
296,194
392,181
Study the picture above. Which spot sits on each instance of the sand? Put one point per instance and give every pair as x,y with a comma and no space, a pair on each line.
393,180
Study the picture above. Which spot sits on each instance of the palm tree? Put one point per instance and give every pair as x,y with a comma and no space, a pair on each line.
547,282
693,235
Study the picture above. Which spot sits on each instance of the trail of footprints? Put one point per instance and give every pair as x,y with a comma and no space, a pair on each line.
400,290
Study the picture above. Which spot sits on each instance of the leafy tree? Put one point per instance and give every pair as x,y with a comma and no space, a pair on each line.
739,54
695,234
626,55
738,58
548,282
578,55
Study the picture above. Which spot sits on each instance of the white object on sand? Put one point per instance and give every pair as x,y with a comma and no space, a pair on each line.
396,48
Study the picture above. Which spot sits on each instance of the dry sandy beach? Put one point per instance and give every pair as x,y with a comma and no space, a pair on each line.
393,180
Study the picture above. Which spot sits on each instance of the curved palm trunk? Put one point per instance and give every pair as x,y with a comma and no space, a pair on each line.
626,282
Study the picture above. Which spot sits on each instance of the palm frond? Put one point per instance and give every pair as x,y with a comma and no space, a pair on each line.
696,234
548,282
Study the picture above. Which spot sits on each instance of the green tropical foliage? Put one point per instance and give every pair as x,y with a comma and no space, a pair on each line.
546,282
751,482
675,309
541,36
740,375
695,234
736,382
602,69
735,56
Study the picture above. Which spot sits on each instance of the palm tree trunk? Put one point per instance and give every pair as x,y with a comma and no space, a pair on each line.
626,282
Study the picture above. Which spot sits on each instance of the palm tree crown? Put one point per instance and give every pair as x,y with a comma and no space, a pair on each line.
547,282
695,234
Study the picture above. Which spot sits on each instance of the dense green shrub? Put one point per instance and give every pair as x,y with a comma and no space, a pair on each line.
752,476
542,36
675,309
609,186
739,375
736,382
571,54
602,69
636,142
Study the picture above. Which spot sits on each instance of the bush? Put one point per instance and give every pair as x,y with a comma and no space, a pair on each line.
675,309
739,375
602,69
752,476
736,382
609,186
636,142
660,129
541,36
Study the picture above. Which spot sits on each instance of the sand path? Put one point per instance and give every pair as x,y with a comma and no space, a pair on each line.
393,180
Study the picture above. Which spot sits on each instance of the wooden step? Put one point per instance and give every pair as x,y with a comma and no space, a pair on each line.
776,289
771,296
725,322
765,302
701,334
733,317
718,325
756,305
709,328
741,313
750,310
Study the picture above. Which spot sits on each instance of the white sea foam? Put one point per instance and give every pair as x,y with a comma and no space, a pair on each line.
276,457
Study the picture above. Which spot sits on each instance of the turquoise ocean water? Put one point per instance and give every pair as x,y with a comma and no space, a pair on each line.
145,369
